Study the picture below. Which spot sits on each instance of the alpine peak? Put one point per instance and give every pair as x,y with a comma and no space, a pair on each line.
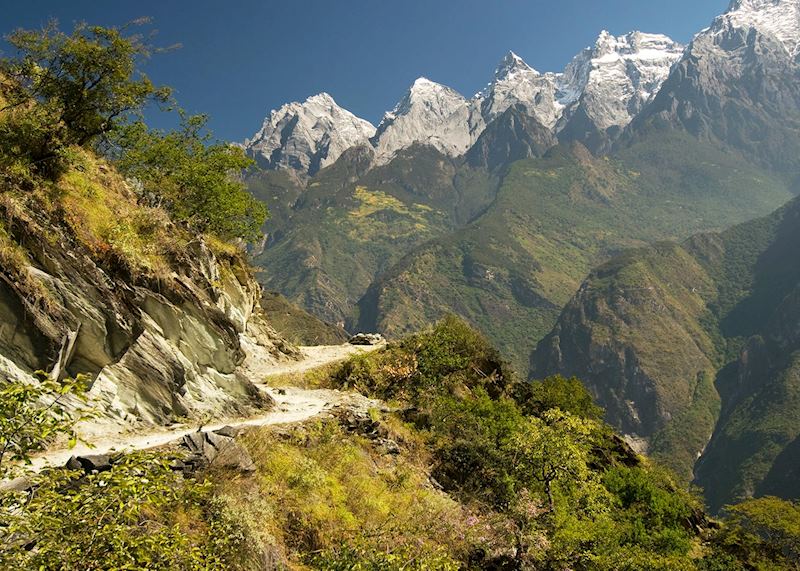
510,65
308,136
430,114
777,18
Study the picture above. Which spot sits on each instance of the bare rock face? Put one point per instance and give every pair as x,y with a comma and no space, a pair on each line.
516,84
308,136
429,114
738,83
157,348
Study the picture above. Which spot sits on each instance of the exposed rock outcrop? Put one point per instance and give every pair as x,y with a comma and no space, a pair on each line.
158,345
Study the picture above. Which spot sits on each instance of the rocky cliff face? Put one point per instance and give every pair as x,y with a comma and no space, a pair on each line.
738,83
160,343
694,350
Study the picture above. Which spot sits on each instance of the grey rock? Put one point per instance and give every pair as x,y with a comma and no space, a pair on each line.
21,484
207,449
366,339
90,463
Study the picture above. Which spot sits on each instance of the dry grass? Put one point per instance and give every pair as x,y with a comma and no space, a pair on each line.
103,213
318,487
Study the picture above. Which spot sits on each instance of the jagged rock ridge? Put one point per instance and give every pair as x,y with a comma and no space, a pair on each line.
601,89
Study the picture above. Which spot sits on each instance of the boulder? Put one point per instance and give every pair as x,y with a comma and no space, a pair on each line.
208,449
89,464
366,339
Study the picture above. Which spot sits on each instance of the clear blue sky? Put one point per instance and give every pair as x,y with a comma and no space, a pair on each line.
241,58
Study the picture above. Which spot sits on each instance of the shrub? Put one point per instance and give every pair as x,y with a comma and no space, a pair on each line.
568,395
192,177
138,515
33,413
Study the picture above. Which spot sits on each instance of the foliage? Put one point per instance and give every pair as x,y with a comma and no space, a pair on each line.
71,89
353,558
557,392
192,177
90,77
139,515
447,356
763,533
33,413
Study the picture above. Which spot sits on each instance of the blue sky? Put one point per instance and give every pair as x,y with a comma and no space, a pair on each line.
241,58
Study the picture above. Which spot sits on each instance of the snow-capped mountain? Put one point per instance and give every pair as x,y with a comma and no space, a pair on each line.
738,83
308,136
777,18
430,114
597,97
516,83
612,80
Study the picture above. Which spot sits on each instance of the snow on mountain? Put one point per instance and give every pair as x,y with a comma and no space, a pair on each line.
616,77
516,83
430,114
308,136
778,18
609,83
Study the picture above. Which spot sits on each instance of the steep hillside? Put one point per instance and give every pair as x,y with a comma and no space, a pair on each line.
679,342
92,282
348,226
737,83
297,325
511,270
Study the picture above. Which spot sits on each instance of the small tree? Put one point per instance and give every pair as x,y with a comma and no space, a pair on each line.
88,80
193,176
33,413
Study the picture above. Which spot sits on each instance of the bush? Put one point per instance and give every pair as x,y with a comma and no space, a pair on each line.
568,395
33,413
192,177
138,515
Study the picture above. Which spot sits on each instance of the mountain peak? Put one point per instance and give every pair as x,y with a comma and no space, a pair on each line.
321,98
777,18
430,113
620,74
510,65
308,136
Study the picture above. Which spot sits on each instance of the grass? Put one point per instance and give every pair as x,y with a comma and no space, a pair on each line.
106,218
317,378
317,488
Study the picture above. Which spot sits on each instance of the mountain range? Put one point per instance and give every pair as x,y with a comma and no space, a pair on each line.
501,206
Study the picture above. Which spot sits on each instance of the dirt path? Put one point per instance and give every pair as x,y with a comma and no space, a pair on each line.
291,405
313,358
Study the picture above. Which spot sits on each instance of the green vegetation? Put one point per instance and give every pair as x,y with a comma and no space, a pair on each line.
511,270
707,325
139,515
476,470
762,534
63,90
192,178
33,413
330,240
555,486
64,96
